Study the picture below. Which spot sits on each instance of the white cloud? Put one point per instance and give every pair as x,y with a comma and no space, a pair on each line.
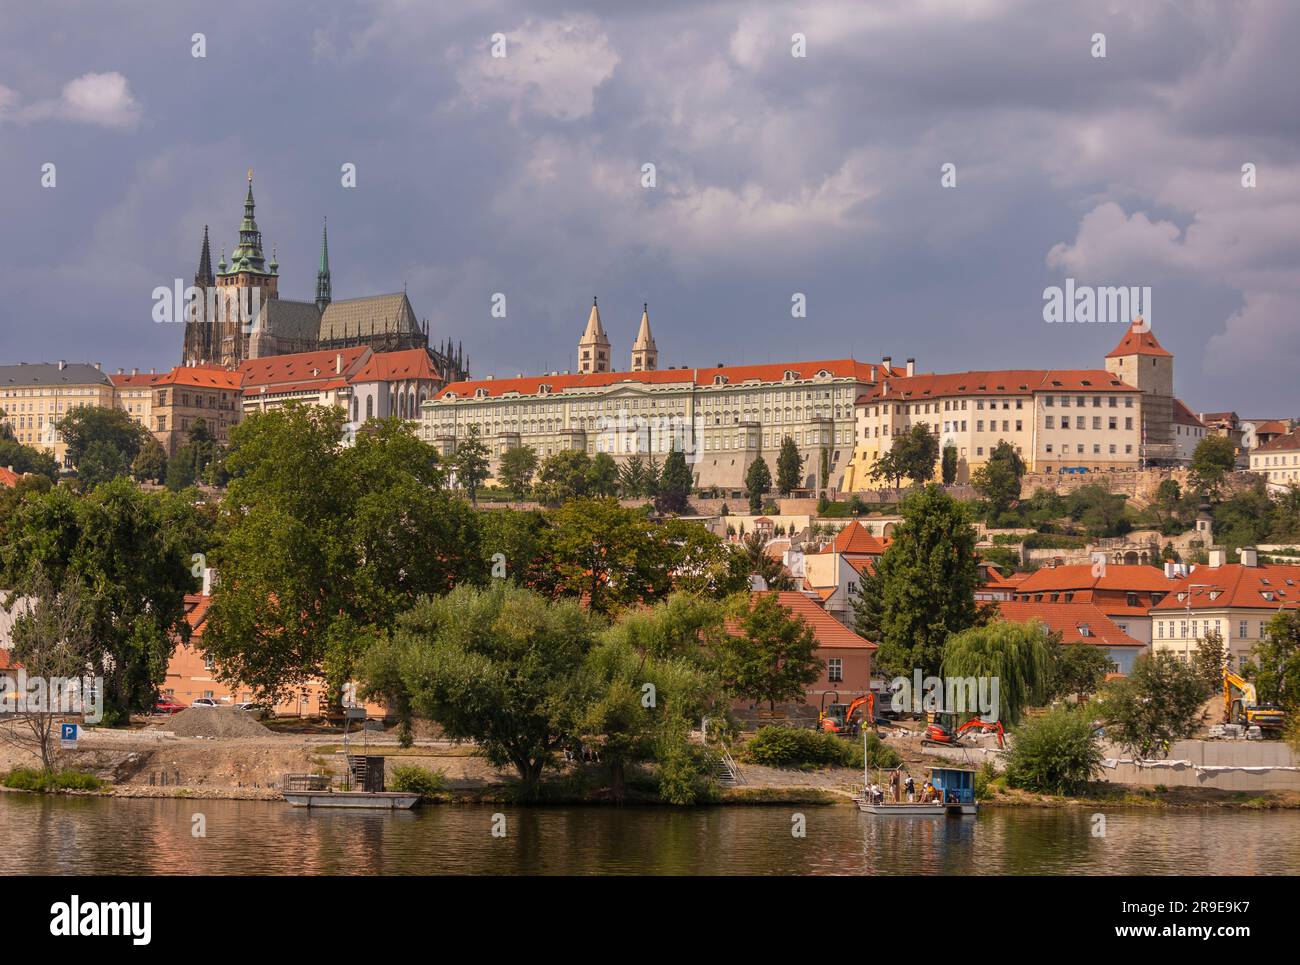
101,99
551,68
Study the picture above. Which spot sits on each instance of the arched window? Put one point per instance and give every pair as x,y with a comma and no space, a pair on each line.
370,407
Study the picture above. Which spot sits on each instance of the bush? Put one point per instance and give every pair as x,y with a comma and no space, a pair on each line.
1057,753
414,779
790,747
34,779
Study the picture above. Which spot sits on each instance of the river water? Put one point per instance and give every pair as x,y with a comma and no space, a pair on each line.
92,835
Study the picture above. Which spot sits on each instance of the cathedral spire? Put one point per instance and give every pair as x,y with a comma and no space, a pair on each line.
323,296
203,277
593,347
645,355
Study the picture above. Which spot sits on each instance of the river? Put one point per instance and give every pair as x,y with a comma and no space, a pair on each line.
94,835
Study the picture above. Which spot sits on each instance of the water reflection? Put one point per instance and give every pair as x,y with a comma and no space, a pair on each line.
68,835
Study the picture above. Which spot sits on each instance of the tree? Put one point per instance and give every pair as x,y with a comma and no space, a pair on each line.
758,482
515,546
470,462
674,484
1209,661
100,463
501,667
949,469
789,467
824,472
112,428
52,640
1078,670
753,549
868,604
1057,753
321,546
602,476
916,453
1214,458
998,480
25,459
150,463
563,476
1016,655
116,541
517,468
774,656
927,582
1158,703
1274,664
632,482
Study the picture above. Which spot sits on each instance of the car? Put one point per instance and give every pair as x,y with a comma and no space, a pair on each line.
205,702
168,706
260,711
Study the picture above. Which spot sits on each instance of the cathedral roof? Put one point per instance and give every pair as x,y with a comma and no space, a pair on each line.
284,318
359,317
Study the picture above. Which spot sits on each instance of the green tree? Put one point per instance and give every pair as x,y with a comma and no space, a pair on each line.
517,468
773,657
25,459
470,463
998,480
115,543
606,553
916,452
515,545
1058,753
501,667
632,481
789,467
1209,660
824,471
674,484
1078,670
1158,703
949,469
928,577
321,546
602,476
758,482
753,548
100,463
112,428
1213,460
150,463
1016,655
563,476
868,604
1274,665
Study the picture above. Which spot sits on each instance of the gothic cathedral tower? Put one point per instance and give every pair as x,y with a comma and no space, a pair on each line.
593,347
200,336
645,355
246,284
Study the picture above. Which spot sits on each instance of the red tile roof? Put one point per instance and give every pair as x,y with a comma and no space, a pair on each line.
1004,382
828,631
203,377
1137,342
734,375
1286,443
1267,586
7,661
394,366
196,613
1185,416
1070,620
122,380
8,477
1080,576
856,540
301,369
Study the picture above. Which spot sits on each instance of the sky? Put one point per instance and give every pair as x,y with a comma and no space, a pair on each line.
775,175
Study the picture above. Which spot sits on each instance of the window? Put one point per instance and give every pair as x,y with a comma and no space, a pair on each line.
835,669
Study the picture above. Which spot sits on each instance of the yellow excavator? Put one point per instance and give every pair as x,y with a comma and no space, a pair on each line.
1241,706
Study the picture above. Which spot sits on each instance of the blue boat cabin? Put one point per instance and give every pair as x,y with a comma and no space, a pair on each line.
957,784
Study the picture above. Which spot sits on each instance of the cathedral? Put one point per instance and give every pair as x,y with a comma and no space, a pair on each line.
250,285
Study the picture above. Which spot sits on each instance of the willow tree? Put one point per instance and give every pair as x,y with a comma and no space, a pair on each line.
1016,655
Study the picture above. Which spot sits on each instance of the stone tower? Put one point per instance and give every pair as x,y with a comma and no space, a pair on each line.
246,284
645,356
593,347
1142,362
200,329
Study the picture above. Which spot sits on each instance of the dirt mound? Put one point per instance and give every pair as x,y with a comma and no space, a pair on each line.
215,722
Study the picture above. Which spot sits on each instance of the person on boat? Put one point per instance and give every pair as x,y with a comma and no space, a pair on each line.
910,786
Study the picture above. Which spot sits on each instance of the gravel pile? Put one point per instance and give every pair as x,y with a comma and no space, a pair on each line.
215,722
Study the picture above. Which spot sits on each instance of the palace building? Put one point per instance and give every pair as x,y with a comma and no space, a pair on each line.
249,285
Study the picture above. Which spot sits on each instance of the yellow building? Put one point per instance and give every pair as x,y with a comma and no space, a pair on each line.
34,396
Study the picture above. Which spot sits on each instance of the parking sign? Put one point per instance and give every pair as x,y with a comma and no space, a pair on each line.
68,736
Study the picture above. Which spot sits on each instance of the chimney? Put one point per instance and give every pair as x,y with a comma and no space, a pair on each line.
135,371
1216,557
911,367
121,371
1249,556
97,367
62,365
873,373
886,361
338,364
209,580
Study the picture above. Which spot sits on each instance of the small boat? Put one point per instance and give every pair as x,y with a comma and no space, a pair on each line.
903,809
956,797
385,800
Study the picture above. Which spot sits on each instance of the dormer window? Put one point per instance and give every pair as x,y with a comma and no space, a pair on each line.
719,380
480,393
790,375
1084,631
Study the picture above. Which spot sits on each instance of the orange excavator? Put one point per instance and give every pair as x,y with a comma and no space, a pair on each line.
940,735
839,718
